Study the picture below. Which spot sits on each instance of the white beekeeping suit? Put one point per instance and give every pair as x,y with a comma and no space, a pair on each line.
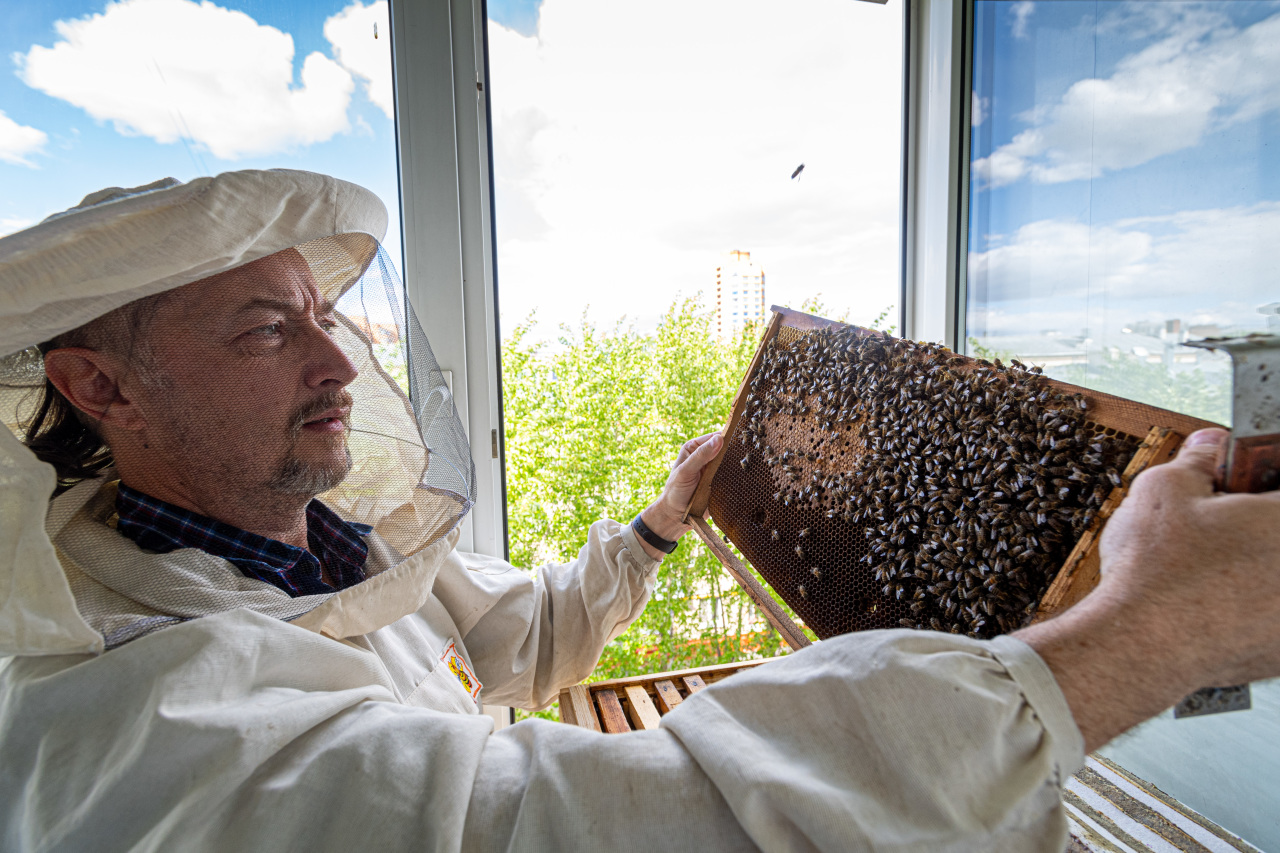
166,701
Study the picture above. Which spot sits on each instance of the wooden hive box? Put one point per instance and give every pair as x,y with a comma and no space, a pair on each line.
638,703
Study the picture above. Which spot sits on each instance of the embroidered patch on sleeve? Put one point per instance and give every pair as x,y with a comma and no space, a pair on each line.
458,666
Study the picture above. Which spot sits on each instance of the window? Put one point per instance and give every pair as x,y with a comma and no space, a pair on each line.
1124,197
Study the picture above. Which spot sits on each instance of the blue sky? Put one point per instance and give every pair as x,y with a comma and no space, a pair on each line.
83,153
1124,165
520,16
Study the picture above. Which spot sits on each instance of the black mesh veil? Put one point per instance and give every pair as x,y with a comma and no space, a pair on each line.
412,475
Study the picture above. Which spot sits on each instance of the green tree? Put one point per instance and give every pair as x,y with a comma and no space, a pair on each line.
593,425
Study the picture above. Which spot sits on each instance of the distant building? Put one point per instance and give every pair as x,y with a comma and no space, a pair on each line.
739,294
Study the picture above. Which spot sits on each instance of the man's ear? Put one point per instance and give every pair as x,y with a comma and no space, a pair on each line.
90,380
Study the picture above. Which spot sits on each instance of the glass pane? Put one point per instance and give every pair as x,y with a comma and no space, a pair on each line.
662,176
1124,198
105,94
1123,195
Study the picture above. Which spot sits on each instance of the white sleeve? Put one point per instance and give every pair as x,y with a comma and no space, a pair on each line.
238,732
529,637
878,741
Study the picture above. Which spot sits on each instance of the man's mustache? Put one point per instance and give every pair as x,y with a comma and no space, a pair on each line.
318,406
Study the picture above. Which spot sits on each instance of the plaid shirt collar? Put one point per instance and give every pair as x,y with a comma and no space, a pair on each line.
160,526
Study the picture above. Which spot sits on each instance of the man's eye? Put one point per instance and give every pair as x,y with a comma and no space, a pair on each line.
329,324
269,330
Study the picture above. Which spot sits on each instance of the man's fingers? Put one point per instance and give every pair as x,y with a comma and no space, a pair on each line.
1201,453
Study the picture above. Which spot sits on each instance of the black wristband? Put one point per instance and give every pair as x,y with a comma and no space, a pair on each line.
642,530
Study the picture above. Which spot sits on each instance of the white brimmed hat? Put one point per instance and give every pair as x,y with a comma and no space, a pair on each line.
119,244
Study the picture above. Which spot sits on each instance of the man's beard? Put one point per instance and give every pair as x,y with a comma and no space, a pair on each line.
295,476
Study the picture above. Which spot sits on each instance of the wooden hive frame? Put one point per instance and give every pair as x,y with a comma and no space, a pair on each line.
1161,432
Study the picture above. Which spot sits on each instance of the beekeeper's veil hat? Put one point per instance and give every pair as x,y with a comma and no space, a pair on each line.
412,476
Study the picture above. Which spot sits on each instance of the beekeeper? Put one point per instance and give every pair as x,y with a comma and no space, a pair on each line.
234,617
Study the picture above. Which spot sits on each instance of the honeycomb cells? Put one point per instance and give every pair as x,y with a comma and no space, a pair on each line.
884,483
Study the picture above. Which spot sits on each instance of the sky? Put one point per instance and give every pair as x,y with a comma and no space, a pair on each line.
630,155
1124,166
100,94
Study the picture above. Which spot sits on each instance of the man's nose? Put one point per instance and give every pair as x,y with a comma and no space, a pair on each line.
328,367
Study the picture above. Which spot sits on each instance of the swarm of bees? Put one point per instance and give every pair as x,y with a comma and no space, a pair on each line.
970,481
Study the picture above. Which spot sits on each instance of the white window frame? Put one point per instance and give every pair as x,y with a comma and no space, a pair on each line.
443,142
935,168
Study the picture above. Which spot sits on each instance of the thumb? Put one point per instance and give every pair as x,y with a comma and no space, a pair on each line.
1202,451
699,458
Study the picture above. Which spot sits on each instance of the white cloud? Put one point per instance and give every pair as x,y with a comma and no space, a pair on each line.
10,224
1206,258
631,154
1053,259
1021,11
18,142
1203,75
979,110
170,69
351,32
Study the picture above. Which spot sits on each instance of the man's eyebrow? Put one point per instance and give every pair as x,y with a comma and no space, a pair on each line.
325,307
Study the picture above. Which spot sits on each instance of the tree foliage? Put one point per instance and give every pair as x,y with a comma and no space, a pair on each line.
593,427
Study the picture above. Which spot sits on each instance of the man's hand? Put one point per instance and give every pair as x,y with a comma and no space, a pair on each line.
1189,598
664,515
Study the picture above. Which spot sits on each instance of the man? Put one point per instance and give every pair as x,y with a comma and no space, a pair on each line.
278,675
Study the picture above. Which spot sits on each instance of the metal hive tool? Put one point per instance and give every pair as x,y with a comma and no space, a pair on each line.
849,550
